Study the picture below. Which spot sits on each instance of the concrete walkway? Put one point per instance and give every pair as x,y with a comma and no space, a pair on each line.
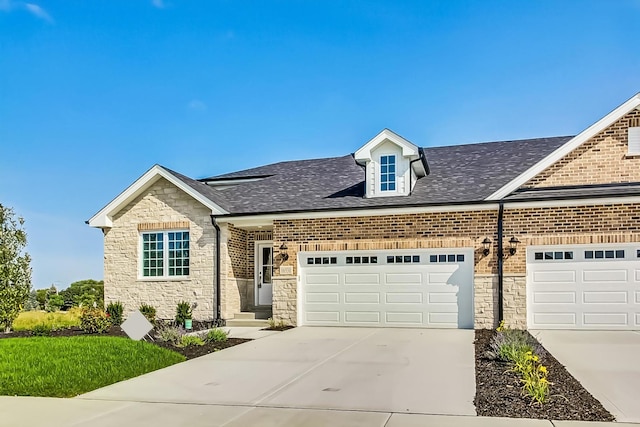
355,369
49,412
607,364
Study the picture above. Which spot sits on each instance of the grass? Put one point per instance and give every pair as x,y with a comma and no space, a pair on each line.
27,320
68,366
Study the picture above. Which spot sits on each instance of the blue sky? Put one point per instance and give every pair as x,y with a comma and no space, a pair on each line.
93,93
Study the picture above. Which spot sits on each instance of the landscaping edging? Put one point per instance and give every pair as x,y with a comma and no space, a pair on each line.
499,392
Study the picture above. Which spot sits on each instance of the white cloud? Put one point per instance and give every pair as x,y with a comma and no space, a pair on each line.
159,4
32,8
197,105
39,12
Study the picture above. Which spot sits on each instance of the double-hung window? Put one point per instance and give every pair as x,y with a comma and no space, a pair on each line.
165,254
388,173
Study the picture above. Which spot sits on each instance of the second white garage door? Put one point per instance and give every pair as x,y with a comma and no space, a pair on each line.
395,288
584,287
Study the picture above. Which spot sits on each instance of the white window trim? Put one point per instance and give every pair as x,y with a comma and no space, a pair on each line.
165,256
395,174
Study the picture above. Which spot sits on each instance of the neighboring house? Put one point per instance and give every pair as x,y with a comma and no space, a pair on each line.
541,232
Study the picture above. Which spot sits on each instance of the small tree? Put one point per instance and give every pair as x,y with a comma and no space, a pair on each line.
15,269
32,302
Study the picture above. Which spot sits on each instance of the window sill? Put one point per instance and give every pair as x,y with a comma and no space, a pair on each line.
163,279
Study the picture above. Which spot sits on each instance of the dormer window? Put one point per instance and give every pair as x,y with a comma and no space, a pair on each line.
388,173
392,164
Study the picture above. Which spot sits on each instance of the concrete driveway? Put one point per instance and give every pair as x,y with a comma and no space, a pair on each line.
607,363
388,370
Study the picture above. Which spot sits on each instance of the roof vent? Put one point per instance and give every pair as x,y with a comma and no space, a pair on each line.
634,141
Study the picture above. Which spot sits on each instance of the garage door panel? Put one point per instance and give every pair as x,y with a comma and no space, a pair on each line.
322,297
323,279
322,317
404,288
605,294
443,297
566,276
403,298
550,319
604,276
403,278
404,318
604,297
554,297
361,279
605,319
372,317
362,297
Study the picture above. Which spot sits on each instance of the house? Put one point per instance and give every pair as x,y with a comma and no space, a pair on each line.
543,233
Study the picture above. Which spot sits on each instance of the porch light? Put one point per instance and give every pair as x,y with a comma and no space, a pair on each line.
513,245
283,251
486,243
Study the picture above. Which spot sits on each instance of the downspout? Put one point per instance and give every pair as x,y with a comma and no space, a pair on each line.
500,262
217,267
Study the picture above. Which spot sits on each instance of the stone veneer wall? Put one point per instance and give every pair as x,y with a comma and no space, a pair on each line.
535,226
601,160
161,207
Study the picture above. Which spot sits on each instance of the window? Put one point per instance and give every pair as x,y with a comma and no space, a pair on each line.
165,254
549,256
634,141
447,258
402,259
616,254
388,173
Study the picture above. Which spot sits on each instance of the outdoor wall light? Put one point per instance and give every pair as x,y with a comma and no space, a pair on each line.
486,243
283,251
513,245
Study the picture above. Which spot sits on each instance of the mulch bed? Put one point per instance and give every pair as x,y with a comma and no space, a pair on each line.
499,392
190,352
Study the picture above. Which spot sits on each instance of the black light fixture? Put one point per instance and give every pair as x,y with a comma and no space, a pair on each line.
283,251
513,245
486,243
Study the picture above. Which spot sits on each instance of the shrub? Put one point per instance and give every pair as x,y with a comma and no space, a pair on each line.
115,310
190,340
217,335
94,321
170,334
522,352
276,324
183,312
54,303
149,312
42,330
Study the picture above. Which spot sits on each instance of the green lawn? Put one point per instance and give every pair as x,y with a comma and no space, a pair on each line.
68,366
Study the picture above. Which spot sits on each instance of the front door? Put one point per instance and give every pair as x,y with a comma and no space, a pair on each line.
264,273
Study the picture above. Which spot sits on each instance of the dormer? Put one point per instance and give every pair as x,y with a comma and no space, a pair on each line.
393,165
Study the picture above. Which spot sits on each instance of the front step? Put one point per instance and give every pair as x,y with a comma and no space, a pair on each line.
248,322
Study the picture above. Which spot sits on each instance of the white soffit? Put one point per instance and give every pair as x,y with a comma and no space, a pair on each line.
409,149
103,217
567,148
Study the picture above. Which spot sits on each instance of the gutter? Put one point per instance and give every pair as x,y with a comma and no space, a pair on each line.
500,262
217,267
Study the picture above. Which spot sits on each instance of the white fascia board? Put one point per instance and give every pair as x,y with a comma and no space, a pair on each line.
572,202
567,148
267,219
103,218
364,153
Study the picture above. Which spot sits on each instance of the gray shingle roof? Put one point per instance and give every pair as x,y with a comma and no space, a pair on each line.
459,174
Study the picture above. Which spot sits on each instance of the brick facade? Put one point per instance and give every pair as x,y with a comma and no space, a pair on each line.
601,160
162,206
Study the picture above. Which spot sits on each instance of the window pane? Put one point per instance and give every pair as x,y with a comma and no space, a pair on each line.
608,254
451,258
416,258
383,160
433,258
390,259
392,187
619,254
365,260
383,187
557,255
460,258
407,258
310,261
548,255
349,260
538,255
599,254
442,258
568,255
398,259
374,260
588,254
334,260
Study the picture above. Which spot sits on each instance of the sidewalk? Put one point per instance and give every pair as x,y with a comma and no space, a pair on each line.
50,412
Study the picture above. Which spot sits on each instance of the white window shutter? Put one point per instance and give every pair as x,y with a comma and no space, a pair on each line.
634,141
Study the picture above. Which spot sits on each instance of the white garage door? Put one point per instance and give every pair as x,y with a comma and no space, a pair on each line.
583,287
401,288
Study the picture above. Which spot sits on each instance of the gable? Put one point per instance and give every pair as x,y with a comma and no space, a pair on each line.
104,218
603,159
604,129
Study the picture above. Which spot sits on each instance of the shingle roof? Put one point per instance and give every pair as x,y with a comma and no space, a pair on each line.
459,174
